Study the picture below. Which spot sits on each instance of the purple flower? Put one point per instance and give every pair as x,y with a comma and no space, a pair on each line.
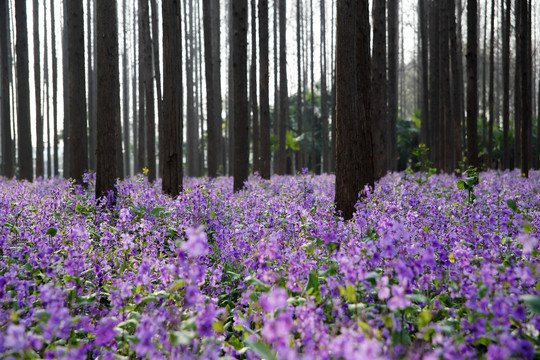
398,300
197,243
15,338
275,299
105,332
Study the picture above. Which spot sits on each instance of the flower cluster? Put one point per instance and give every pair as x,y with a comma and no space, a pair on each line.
271,272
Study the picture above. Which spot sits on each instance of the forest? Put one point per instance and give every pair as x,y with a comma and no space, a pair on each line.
287,179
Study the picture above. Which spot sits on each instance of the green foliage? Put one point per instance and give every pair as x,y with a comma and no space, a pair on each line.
469,182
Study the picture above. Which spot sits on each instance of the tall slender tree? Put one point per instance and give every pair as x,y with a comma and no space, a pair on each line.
491,96
393,50
125,92
92,80
54,93
37,93
283,93
524,58
324,99
505,16
241,124
299,96
66,91
172,99
108,102
472,86
157,78
8,168
264,90
457,82
424,64
253,87
378,89
23,94
192,131
78,129
46,90
354,162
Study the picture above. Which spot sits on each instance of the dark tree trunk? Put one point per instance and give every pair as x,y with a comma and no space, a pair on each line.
300,157
275,117
241,123
484,77
354,161
46,90
216,79
65,89
283,93
192,130
148,81
157,77
435,81
125,89
491,96
54,94
8,168
505,15
172,99
517,90
92,74
424,111
230,95
315,160
23,93
37,94
264,91
525,67
378,90
457,84
134,104
324,100
472,84
253,88
78,129
141,141
108,102
446,148
393,43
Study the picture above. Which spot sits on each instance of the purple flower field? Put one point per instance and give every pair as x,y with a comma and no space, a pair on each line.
270,272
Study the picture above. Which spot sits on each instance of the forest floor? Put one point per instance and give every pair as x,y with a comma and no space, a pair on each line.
423,270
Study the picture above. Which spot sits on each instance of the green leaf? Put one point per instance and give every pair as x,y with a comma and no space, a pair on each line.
131,323
349,293
461,185
177,285
424,318
313,286
213,214
261,349
533,301
157,210
418,298
51,231
512,205
181,337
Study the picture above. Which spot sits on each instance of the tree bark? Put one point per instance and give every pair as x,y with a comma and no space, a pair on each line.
148,81
393,43
37,94
92,73
300,157
324,98
125,97
457,84
192,131
172,135
378,90
253,88
46,90
23,94
157,77
424,111
241,124
472,84
56,170
524,58
354,161
108,101
435,81
264,79
283,93
491,96
8,166
78,129
506,13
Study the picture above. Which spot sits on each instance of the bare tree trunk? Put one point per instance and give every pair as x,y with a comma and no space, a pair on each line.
393,44
125,89
484,76
283,93
230,95
54,94
518,96
524,58
37,93
192,131
92,73
172,98
315,160
108,102
435,80
8,168
276,88
23,94
137,103
241,123
424,111
472,84
378,90
446,148
354,162
198,90
324,100
491,89
65,89
46,90
457,88
157,76
216,79
253,88
300,157
264,91
78,128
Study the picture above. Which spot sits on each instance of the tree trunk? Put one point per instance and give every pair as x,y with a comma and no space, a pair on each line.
424,111
275,117
157,76
324,99
484,76
491,89
264,91
393,43
46,90
354,161
525,78
216,79
457,88
148,82
283,93
472,84
108,102
37,93
230,95
65,90
315,160
172,136
23,94
192,131
253,88
378,90
446,148
241,124
125,97
8,168
92,73
505,15
78,129
134,104
435,81
141,153
300,157
54,94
